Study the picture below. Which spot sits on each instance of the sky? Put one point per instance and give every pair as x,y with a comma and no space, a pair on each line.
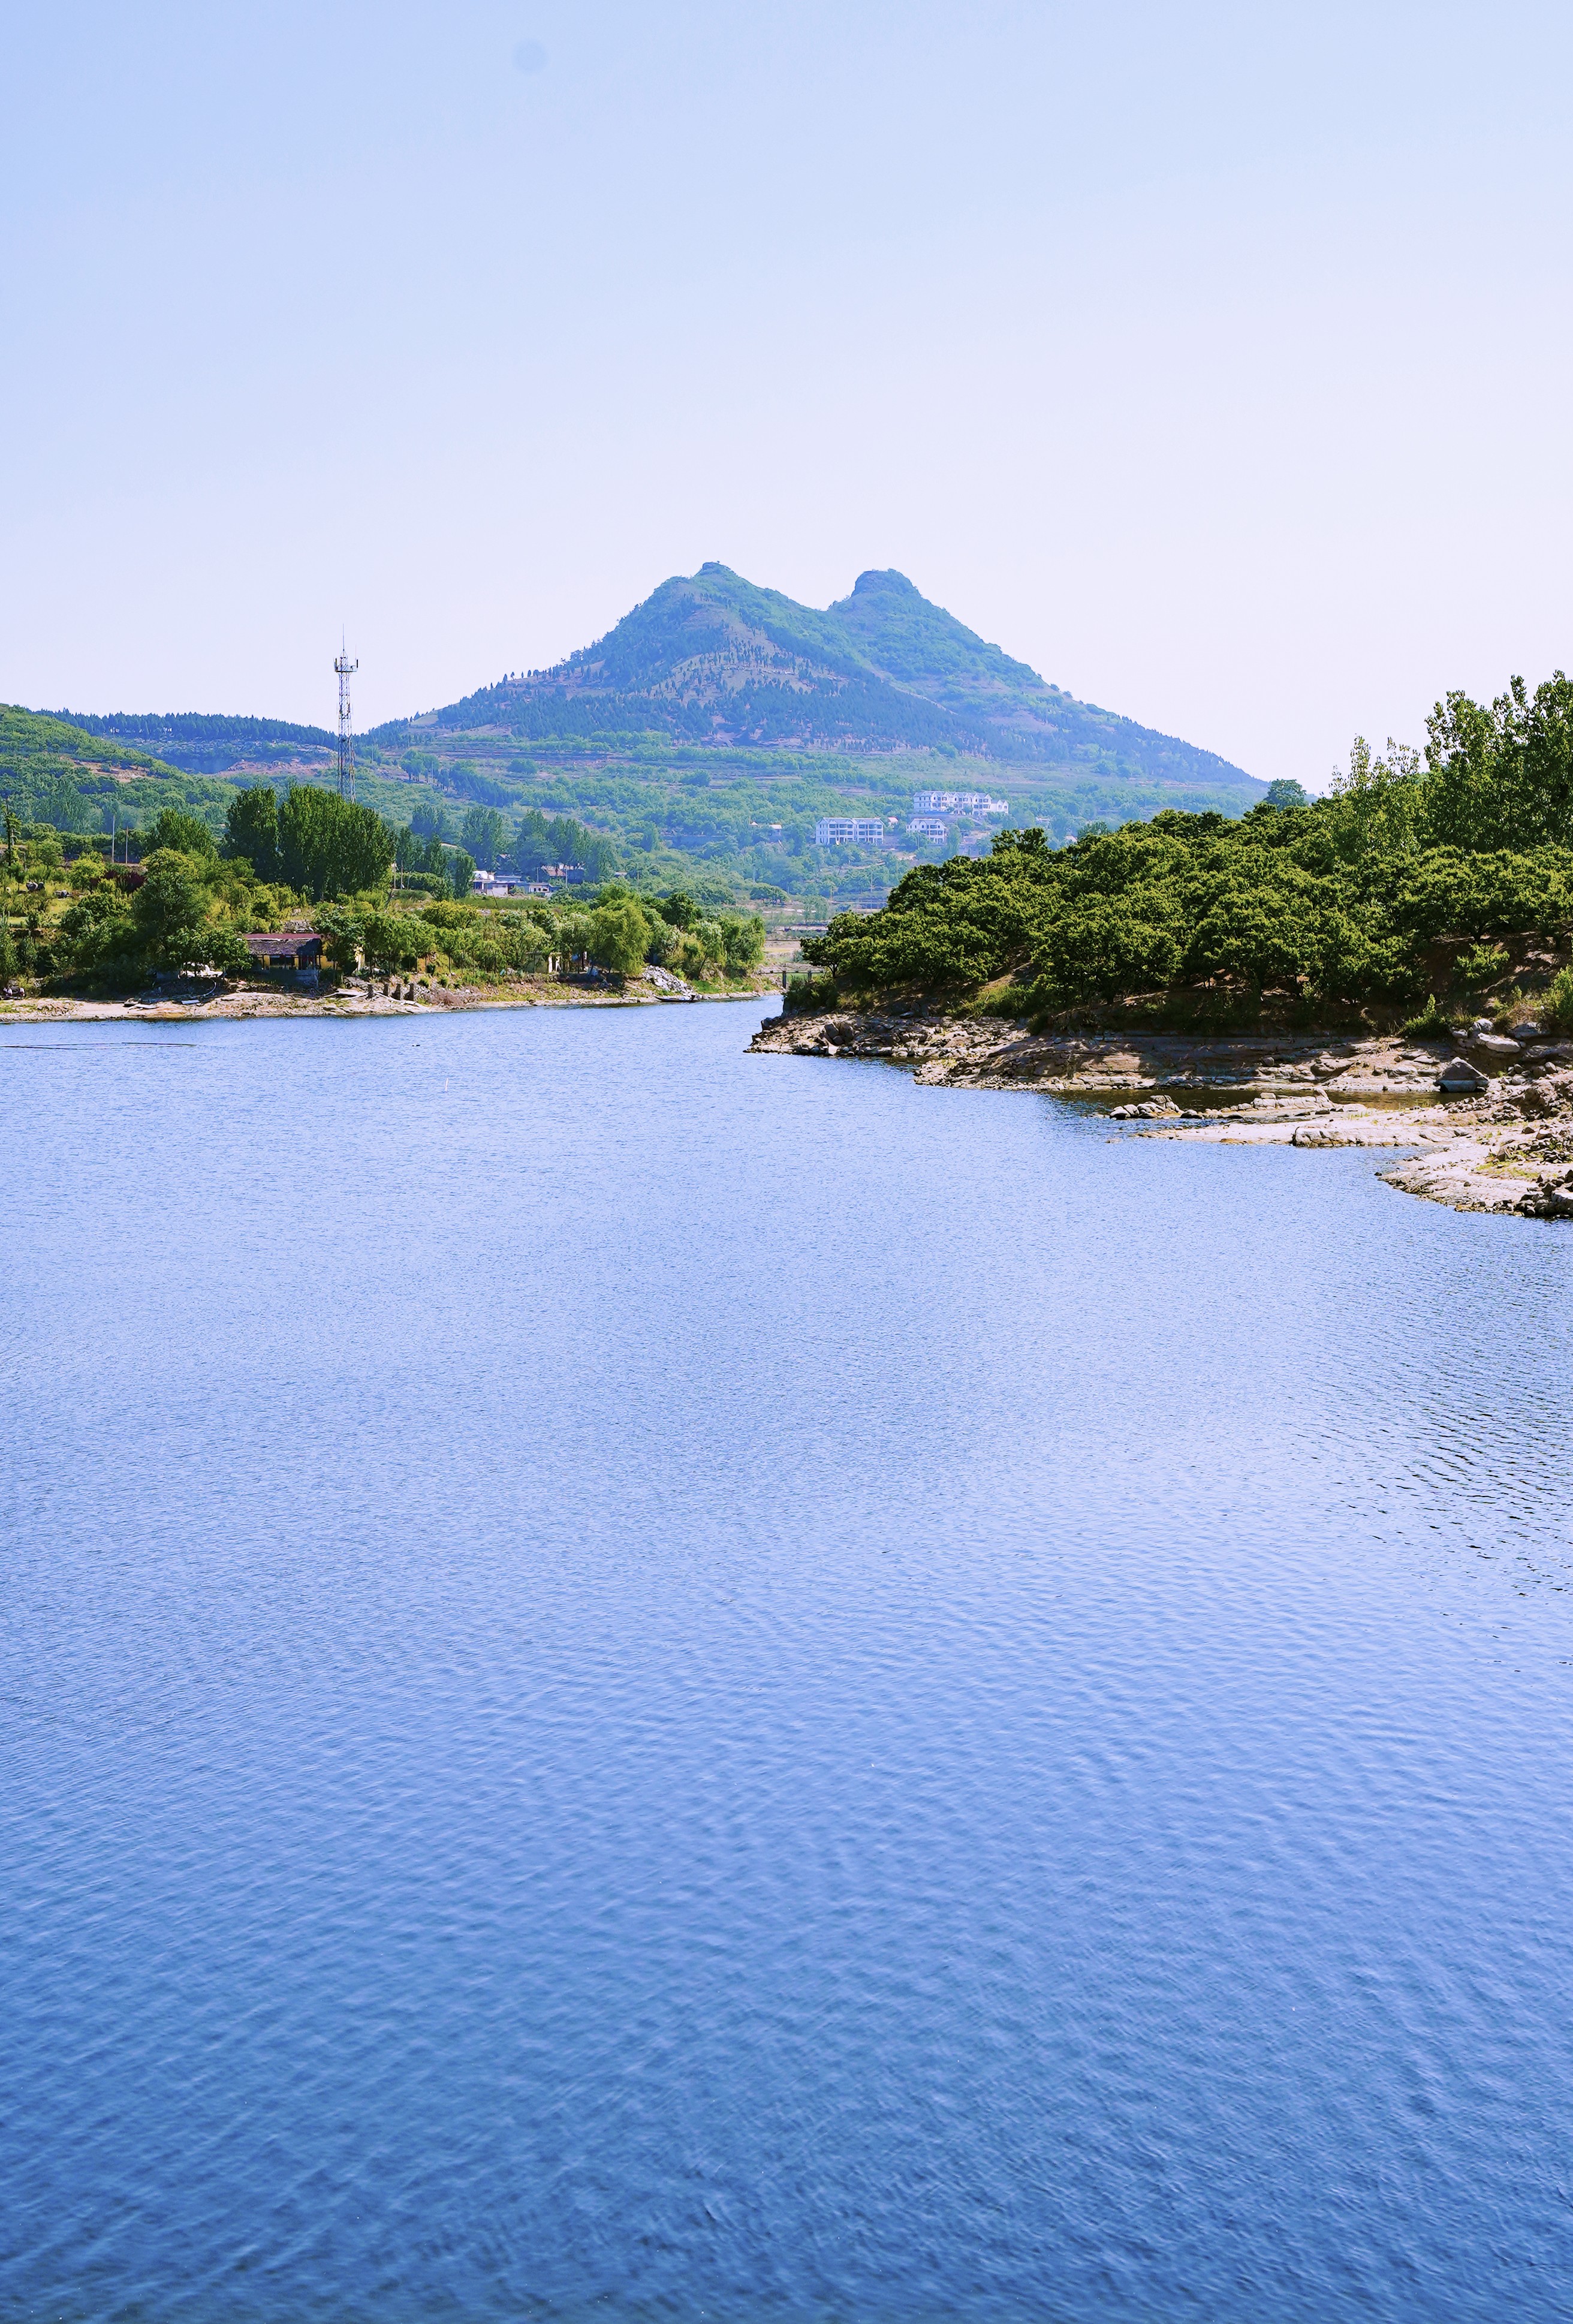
1212,359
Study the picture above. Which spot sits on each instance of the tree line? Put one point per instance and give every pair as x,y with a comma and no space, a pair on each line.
191,901
1344,898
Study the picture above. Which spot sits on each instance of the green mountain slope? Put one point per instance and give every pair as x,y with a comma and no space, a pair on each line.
921,649
711,659
51,768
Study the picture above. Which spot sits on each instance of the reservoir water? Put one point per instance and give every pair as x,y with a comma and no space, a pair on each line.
643,1683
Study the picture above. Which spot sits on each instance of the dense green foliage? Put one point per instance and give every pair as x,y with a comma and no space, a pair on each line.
189,913
1335,900
315,841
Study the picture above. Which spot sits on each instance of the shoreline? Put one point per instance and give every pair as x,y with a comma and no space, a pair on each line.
1503,1144
248,1002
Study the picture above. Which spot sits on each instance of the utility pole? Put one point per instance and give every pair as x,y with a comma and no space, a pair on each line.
346,739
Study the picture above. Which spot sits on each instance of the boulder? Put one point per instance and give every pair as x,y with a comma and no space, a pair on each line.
1459,1074
1150,1110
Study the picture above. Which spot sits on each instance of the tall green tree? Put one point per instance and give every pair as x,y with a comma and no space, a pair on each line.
251,831
174,828
485,835
330,846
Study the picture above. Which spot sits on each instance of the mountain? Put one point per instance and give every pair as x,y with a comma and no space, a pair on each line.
711,659
701,742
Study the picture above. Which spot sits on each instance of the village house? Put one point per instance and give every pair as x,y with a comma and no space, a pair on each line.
299,949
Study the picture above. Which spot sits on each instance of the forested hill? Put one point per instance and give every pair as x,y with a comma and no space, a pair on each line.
713,658
201,743
48,766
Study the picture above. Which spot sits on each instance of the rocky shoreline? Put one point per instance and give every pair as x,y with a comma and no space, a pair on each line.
1485,1119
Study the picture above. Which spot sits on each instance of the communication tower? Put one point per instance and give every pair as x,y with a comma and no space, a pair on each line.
346,735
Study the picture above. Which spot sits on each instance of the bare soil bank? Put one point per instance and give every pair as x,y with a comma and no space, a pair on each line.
1501,1143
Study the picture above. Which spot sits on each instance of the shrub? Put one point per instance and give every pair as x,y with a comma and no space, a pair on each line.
1431,1024
1481,966
1558,1001
805,993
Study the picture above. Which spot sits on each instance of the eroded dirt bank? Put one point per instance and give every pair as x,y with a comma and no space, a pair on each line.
1485,1121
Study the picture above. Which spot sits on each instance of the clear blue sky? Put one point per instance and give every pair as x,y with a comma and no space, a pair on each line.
1213,359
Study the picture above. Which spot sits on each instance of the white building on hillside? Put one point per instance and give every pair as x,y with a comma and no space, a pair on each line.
849,831
929,827
958,803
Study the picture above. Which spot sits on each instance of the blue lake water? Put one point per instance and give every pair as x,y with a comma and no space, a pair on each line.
646,1682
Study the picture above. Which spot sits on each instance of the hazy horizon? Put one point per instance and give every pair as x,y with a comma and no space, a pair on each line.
1210,365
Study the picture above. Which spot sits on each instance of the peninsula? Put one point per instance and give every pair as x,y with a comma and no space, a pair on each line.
1388,965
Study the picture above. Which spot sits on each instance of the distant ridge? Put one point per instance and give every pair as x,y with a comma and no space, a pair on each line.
710,657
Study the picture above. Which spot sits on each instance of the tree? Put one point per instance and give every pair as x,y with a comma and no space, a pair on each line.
742,939
251,831
485,835
619,935
1102,945
188,833
389,943
461,870
223,950
171,903
573,933
532,843
330,846
343,931
100,935
1286,792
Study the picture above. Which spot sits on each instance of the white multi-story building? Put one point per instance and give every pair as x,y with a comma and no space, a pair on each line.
929,827
849,831
958,803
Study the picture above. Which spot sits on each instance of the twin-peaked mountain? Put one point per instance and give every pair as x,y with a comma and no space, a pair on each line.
711,657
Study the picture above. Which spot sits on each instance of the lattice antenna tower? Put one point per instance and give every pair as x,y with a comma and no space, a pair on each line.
346,732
